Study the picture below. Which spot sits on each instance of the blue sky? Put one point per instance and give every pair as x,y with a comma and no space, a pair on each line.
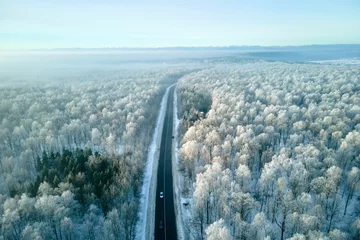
28,24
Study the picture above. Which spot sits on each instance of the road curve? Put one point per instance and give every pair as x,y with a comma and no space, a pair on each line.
164,210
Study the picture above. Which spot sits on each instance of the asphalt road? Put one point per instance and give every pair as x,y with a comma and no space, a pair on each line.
164,210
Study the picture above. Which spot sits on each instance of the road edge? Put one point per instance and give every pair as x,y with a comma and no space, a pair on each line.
174,159
146,226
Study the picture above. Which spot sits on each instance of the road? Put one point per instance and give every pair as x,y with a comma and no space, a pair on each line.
164,210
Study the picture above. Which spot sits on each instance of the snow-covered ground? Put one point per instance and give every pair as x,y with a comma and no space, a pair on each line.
176,174
145,225
183,203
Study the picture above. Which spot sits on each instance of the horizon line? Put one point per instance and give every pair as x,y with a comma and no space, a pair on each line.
174,47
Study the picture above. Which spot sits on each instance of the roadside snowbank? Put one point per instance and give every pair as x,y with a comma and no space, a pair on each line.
183,202
177,193
145,225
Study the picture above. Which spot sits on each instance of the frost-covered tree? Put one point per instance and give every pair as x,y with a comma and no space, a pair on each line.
217,231
287,133
68,146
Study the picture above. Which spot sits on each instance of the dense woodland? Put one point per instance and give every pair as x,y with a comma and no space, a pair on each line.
267,151
271,151
72,155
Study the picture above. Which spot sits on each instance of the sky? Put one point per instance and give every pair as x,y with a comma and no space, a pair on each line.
43,24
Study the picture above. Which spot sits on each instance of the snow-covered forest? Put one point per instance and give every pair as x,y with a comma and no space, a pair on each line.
72,155
267,150
270,151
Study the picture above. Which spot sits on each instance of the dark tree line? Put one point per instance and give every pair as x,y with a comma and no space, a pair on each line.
91,175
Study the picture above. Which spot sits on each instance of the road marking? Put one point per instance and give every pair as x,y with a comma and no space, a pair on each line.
166,136
166,118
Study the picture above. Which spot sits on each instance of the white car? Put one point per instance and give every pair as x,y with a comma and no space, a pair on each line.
161,195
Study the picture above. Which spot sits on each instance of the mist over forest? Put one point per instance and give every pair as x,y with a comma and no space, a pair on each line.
268,141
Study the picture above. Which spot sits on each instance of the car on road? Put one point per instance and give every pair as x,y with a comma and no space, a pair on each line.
161,195
161,225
